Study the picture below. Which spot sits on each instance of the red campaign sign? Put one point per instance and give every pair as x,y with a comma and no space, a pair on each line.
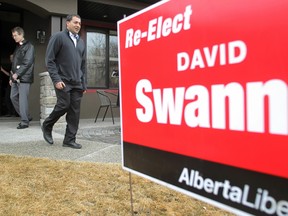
208,80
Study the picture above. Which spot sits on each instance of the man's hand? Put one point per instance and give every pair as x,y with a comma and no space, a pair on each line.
14,76
60,85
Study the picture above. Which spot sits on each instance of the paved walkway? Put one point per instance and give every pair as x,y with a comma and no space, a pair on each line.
100,141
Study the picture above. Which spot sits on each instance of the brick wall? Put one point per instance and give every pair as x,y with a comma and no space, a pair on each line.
47,98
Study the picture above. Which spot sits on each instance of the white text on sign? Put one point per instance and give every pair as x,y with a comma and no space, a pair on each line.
263,201
237,51
171,107
158,28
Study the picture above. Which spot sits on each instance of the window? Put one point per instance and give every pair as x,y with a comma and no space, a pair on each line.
102,59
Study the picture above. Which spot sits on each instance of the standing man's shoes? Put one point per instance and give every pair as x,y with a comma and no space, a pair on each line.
30,119
47,135
72,145
20,126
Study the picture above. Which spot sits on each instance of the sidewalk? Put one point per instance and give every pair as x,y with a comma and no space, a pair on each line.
100,141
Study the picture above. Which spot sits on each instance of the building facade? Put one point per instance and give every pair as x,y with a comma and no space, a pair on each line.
41,18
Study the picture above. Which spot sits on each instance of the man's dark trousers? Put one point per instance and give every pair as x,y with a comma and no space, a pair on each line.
68,101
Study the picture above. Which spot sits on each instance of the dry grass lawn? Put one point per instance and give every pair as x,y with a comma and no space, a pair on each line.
37,186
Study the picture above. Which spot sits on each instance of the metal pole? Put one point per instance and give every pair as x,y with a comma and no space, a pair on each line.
131,194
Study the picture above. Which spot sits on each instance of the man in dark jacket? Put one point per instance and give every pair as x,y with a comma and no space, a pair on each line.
22,76
65,61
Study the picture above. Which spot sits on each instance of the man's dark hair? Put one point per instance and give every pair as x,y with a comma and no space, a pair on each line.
19,30
70,16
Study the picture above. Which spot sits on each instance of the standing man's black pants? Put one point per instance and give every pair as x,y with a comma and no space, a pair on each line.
69,102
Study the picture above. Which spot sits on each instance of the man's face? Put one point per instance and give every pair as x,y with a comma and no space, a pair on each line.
74,25
17,37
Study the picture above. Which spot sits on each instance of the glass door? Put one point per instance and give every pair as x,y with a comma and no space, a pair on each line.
96,60
102,59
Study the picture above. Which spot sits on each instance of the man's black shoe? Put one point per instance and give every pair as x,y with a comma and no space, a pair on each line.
30,119
47,135
72,145
20,126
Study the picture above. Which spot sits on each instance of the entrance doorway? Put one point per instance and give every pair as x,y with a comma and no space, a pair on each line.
10,17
